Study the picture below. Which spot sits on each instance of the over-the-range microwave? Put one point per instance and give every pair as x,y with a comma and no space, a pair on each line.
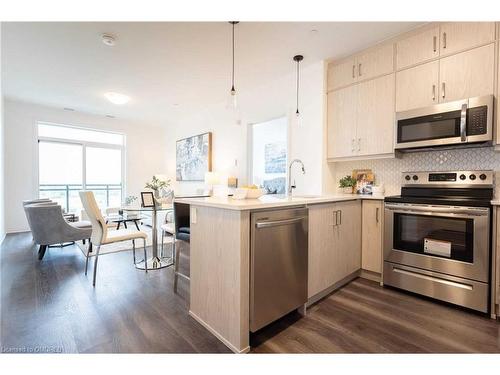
460,122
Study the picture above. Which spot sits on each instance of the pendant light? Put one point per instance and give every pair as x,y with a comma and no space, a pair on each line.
298,59
232,100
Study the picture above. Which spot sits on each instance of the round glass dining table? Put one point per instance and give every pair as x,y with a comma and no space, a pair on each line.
157,259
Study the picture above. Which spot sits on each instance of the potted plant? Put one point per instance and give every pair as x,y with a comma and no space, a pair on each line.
157,185
347,184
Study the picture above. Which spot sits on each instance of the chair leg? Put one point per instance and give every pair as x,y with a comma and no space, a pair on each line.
41,251
90,245
95,264
133,249
145,258
136,225
176,266
162,244
83,241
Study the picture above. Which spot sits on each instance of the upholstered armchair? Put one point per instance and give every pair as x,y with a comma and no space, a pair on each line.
48,226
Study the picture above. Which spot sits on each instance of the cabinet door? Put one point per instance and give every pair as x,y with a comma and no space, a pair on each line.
418,48
341,74
375,118
341,112
460,36
347,242
375,62
417,87
321,248
371,239
467,74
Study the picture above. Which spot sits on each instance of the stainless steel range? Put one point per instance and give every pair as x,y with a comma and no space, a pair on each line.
437,236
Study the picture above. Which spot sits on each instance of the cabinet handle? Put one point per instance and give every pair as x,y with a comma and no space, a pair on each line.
433,92
444,40
359,70
340,217
336,213
434,43
352,144
377,214
353,69
443,90
359,144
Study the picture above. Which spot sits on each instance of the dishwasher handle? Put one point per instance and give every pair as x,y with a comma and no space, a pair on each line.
276,223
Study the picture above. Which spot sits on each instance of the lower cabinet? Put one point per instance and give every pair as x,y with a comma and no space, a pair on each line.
371,244
334,243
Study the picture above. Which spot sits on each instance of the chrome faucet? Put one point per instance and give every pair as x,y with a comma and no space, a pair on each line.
290,186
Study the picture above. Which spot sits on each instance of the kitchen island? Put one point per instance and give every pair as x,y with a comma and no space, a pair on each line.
220,259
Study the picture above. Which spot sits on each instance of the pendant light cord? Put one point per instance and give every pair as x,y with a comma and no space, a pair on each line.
232,76
297,111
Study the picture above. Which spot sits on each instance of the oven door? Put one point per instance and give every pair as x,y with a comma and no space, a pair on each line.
446,239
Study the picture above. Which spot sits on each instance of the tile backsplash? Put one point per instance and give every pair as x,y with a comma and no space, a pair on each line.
388,171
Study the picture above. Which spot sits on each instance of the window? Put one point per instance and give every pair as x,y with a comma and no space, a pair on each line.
269,155
71,159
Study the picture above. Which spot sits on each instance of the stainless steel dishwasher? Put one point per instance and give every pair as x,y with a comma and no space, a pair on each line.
278,264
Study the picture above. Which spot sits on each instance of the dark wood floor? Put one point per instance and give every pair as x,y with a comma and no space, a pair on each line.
363,317
51,306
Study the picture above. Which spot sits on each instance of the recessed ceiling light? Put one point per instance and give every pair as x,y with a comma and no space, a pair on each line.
108,39
110,116
117,98
313,31
69,109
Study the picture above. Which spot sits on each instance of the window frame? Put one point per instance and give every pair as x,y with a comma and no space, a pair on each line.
84,145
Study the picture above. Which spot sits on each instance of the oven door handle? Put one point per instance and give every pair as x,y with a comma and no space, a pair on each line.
432,210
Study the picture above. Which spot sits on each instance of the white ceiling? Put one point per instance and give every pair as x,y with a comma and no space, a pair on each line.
169,69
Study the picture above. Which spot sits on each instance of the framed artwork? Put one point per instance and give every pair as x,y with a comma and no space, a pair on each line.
364,180
193,157
147,199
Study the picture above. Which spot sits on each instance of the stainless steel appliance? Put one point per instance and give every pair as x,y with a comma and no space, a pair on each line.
437,236
278,264
462,122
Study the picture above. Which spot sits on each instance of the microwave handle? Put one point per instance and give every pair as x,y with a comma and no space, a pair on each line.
463,122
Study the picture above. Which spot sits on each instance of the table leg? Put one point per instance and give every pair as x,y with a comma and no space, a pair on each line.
136,225
125,224
118,226
155,262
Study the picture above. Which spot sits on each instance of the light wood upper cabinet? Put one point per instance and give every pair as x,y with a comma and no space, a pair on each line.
342,74
371,243
417,48
467,74
375,62
334,244
375,118
417,87
342,112
460,36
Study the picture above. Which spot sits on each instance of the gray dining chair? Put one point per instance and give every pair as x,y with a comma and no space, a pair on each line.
100,234
49,227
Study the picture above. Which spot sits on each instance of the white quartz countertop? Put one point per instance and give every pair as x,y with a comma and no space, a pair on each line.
271,201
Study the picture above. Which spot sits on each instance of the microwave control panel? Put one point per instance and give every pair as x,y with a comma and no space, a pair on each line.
477,120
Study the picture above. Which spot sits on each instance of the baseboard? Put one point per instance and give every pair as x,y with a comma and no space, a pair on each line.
332,288
370,275
218,335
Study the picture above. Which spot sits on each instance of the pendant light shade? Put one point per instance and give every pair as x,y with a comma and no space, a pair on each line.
298,59
232,100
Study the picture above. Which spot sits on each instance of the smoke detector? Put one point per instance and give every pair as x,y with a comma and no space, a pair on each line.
108,39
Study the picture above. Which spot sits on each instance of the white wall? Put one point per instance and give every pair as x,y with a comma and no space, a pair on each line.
2,189
144,155
275,99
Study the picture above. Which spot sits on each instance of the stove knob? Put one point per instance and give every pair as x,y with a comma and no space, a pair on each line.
463,177
407,177
482,176
415,177
472,177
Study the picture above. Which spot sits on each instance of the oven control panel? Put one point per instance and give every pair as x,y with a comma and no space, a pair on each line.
448,178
